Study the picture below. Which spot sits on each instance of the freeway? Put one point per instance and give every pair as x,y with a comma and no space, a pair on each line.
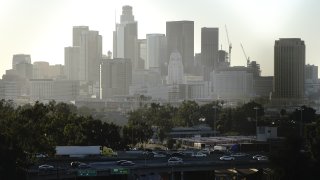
105,167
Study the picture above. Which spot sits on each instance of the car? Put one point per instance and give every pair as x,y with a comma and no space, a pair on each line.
257,156
39,155
45,167
175,160
75,164
199,154
127,163
159,155
263,158
226,158
177,154
121,161
239,154
84,166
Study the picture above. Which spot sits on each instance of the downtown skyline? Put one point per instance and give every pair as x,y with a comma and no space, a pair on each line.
43,28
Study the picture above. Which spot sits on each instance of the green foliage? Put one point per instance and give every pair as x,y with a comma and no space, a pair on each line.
38,128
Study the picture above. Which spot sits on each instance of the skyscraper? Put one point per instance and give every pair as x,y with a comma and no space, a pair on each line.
209,50
20,58
116,77
77,31
125,37
142,53
156,51
90,56
209,46
180,37
126,16
289,66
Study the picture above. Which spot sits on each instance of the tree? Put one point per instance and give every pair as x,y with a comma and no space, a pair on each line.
189,113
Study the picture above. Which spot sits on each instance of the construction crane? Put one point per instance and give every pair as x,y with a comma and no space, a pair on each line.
230,45
245,55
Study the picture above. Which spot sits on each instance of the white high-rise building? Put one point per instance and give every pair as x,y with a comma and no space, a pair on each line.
156,51
125,37
175,69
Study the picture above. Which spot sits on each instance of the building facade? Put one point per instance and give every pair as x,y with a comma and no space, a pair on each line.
289,66
175,69
209,50
71,61
116,77
156,51
20,58
125,37
180,37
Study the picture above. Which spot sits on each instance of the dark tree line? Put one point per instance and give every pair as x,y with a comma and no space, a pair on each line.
38,128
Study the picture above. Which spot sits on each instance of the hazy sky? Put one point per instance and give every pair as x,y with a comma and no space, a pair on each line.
42,28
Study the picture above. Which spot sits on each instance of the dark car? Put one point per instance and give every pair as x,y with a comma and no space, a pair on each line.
177,154
127,163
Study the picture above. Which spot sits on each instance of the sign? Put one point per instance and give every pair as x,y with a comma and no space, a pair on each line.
120,171
87,172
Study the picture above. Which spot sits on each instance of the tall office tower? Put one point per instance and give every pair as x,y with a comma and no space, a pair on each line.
180,37
77,31
71,62
20,58
156,51
209,50
125,37
175,69
116,77
126,16
41,70
90,56
142,53
289,63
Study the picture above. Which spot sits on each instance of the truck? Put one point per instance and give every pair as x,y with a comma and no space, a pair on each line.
78,151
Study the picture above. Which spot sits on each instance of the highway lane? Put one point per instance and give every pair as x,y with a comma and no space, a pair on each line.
142,164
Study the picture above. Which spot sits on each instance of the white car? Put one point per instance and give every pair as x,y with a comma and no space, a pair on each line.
159,155
45,167
257,156
174,161
199,154
226,158
263,158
